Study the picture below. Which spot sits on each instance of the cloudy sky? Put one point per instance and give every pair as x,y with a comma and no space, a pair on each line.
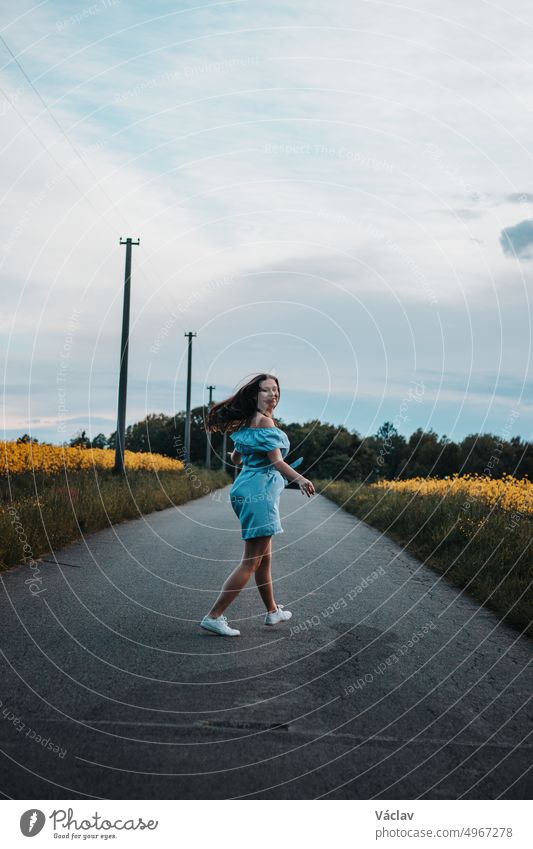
337,192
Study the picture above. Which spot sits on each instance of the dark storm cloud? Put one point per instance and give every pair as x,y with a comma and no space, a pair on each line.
518,240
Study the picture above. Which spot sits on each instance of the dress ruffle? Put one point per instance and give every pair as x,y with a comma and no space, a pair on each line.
264,439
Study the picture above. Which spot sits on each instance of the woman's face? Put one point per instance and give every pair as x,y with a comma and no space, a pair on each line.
267,395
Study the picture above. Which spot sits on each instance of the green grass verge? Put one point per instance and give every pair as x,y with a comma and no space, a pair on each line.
484,550
40,514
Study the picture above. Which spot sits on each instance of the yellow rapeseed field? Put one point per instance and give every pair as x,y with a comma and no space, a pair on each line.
473,528
19,457
507,492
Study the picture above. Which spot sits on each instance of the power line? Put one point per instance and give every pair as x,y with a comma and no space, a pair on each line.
84,162
162,290
163,293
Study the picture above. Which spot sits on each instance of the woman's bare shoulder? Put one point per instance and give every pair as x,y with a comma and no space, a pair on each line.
265,421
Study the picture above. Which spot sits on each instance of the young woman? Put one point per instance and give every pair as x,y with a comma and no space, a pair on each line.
260,446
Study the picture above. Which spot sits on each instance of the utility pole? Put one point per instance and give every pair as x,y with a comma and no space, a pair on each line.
123,379
224,452
187,448
208,443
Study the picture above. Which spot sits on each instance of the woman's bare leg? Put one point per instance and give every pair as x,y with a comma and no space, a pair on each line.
263,579
254,550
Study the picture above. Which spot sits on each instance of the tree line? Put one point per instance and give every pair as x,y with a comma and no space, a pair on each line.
330,451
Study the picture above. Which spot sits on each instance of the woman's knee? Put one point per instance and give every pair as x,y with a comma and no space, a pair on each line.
265,562
256,547
258,563
252,562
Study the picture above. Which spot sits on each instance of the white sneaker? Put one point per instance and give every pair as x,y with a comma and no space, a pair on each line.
278,615
219,626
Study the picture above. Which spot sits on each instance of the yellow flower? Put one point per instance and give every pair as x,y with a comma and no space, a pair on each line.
19,457
508,492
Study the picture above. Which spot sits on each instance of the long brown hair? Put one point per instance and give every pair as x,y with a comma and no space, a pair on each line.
235,412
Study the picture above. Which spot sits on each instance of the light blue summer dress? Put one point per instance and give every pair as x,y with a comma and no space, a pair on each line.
257,488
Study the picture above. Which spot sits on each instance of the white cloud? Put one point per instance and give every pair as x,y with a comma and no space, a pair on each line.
376,148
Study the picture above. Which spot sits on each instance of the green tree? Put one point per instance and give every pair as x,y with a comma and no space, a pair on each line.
26,439
81,440
99,441
390,448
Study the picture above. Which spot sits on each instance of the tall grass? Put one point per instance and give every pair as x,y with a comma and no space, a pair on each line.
41,511
460,532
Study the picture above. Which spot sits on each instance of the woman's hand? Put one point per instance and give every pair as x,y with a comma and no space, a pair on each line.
306,487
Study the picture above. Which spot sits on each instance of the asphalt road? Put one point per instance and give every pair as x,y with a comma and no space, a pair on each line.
111,690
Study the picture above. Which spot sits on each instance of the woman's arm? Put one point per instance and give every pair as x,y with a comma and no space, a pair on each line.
288,472
279,463
236,457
